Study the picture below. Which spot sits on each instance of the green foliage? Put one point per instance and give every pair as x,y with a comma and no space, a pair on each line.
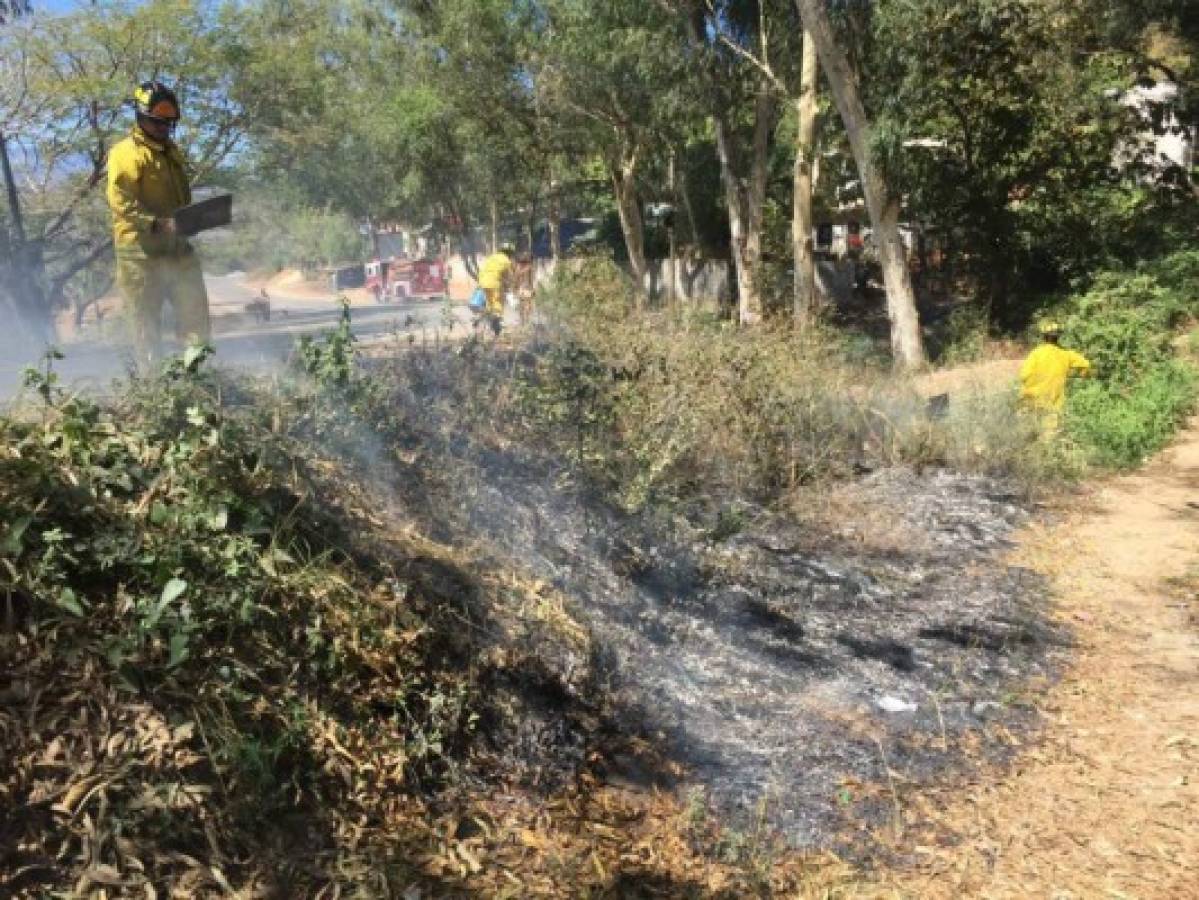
172,538
592,289
1123,325
274,228
342,406
963,336
1126,325
330,360
1015,136
1121,425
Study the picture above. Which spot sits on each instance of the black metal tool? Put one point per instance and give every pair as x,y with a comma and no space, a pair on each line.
202,215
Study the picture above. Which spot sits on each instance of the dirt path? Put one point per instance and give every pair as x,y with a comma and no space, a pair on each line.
1106,804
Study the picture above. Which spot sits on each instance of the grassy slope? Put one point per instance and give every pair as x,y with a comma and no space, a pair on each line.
223,671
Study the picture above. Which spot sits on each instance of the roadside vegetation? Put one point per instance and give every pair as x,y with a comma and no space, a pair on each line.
206,576
264,637
199,639
1132,326
229,667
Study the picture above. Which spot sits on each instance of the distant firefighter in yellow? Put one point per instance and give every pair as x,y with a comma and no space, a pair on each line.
495,276
147,185
1044,374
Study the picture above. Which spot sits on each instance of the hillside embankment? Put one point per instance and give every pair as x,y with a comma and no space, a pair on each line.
400,630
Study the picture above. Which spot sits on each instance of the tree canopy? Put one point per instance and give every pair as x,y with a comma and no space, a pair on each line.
1002,125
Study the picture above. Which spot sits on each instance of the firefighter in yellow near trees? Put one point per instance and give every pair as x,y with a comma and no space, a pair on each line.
494,278
1043,376
147,185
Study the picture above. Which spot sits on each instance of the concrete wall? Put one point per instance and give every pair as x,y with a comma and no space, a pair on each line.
694,281
712,282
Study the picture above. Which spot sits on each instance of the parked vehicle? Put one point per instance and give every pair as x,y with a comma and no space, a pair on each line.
349,276
393,280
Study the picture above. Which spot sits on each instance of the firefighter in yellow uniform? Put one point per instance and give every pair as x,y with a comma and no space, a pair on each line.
494,276
147,185
1044,374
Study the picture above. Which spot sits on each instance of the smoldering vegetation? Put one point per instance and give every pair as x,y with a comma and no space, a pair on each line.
421,589
777,658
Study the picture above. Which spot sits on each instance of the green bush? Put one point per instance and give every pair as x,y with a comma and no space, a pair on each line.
173,535
1125,324
963,337
1179,272
1119,426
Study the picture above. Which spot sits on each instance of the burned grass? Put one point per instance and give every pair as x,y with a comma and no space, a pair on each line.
741,646
226,667
372,640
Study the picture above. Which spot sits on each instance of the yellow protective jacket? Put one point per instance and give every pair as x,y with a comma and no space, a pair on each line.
493,270
1043,375
146,181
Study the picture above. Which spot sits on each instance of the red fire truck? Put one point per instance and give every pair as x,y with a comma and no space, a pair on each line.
396,279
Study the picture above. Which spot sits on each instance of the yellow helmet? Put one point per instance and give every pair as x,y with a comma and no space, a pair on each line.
154,100
1050,327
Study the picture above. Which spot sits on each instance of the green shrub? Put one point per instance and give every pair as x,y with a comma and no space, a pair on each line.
1179,272
1123,325
1120,425
172,534
1126,324
964,336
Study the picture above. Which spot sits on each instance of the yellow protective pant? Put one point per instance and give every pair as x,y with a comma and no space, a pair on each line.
146,283
495,301
1047,416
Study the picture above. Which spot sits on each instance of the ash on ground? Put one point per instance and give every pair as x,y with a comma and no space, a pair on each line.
780,663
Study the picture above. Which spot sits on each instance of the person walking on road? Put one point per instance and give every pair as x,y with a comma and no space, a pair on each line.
1044,375
147,185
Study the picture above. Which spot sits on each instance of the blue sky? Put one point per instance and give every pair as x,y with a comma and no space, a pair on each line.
54,5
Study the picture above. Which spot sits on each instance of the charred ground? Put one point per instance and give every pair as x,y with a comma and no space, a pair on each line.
779,663
375,628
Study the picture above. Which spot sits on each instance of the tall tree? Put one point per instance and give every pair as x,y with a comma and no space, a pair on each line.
612,75
743,107
775,29
883,204
999,121
803,251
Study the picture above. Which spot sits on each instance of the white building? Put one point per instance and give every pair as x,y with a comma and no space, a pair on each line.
1165,143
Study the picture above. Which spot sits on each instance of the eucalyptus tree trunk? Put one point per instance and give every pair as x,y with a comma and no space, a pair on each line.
806,300
623,171
907,347
745,196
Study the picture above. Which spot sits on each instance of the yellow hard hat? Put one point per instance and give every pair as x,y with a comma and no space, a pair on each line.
154,100
1050,327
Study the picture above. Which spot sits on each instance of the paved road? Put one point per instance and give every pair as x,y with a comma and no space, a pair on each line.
240,343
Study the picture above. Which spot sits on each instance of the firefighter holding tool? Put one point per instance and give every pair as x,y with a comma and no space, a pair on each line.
147,185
